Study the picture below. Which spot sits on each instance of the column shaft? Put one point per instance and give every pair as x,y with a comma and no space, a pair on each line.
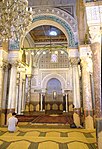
4,101
76,94
23,97
87,96
1,91
66,103
12,89
97,78
41,102
76,87
5,88
17,98
28,92
20,94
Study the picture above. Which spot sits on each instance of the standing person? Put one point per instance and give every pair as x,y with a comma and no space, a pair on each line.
12,123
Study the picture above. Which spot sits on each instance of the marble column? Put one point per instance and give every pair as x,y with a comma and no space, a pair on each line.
95,47
5,87
76,91
1,90
66,102
87,95
23,96
12,90
17,93
41,99
43,102
28,91
96,53
95,31
20,94
4,101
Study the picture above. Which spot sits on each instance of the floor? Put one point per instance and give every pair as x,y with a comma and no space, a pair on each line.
32,136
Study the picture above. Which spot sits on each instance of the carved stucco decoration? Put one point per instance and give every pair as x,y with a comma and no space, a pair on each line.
44,74
94,21
50,76
14,45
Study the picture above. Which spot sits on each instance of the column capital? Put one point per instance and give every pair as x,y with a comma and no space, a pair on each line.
95,47
95,33
74,61
28,75
14,64
23,80
86,63
3,65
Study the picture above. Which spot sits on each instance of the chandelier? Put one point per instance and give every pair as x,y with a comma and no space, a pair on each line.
15,17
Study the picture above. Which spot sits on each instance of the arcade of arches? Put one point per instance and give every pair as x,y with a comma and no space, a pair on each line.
57,73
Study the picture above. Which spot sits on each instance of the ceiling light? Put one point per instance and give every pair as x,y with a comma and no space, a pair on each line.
53,33
26,53
44,52
32,53
62,52
38,52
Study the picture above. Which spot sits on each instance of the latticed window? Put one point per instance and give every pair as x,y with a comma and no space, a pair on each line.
53,60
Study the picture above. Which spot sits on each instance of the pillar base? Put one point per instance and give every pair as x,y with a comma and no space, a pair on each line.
89,122
76,117
99,132
0,117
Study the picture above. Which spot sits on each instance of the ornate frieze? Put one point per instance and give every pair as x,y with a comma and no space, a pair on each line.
94,20
60,13
41,3
94,13
73,52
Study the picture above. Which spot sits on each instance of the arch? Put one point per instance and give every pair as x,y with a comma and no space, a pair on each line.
54,85
58,18
50,76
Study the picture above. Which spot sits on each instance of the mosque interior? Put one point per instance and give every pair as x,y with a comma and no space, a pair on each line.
50,73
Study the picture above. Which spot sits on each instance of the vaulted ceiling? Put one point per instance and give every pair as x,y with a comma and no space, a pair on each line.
46,33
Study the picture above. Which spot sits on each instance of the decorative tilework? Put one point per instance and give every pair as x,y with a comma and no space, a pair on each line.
14,45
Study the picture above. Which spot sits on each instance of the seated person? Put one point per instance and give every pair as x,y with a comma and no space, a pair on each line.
12,123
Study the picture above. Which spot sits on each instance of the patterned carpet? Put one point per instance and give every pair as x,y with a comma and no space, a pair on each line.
53,118
47,138
62,119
